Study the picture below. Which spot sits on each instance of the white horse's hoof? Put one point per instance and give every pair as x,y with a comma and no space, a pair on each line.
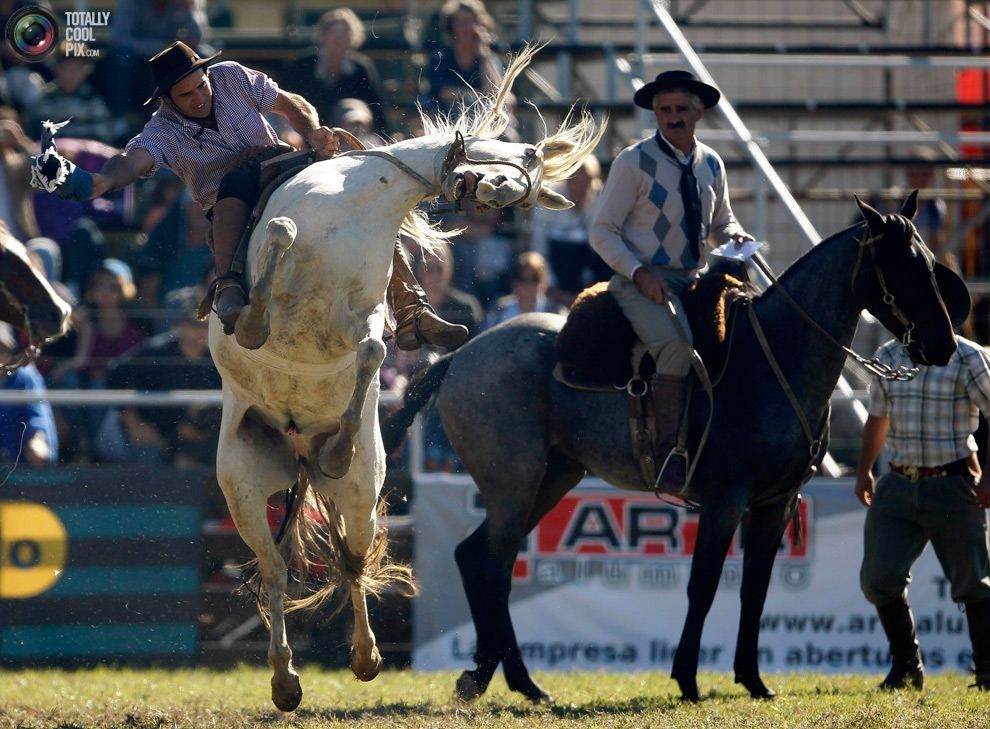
287,693
250,333
333,462
366,670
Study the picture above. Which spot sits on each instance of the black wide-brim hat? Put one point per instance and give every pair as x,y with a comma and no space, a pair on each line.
172,65
955,294
667,80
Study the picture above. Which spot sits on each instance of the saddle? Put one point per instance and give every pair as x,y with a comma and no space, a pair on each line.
597,346
597,349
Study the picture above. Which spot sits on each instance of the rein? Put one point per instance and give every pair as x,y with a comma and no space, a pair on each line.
873,366
30,353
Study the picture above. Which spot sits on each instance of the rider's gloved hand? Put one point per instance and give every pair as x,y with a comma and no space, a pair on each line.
52,172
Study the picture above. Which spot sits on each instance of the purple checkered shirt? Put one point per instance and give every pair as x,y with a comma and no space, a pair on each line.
201,156
950,397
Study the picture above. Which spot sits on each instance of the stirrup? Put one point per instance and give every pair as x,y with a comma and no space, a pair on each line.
675,452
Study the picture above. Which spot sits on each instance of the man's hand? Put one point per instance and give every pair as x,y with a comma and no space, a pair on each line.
865,486
983,491
740,238
652,285
323,141
52,172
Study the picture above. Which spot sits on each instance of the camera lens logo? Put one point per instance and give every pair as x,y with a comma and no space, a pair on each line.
32,34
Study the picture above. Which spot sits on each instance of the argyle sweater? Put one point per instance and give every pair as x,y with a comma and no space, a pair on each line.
641,217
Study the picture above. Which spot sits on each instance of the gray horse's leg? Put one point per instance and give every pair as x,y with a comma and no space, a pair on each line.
485,560
763,535
716,527
335,456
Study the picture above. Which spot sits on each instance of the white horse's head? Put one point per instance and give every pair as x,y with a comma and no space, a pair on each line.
498,174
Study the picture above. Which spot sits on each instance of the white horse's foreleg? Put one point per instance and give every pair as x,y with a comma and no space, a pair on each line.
336,455
253,327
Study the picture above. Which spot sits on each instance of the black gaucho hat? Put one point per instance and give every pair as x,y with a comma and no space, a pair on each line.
954,293
172,65
709,95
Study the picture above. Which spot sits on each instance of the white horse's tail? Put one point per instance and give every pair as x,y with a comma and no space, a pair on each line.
253,326
315,551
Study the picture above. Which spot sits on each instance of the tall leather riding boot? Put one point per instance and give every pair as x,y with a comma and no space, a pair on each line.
230,218
906,669
669,394
415,320
978,619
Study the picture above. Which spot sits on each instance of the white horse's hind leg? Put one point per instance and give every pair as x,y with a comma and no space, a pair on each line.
252,525
336,455
366,659
252,328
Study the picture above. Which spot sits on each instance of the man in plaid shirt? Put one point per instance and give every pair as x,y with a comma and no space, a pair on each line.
934,491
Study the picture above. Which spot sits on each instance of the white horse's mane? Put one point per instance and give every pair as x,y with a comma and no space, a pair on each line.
486,117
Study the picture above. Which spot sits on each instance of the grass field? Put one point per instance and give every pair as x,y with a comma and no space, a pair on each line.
180,699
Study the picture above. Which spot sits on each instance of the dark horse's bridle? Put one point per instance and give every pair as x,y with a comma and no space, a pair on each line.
873,365
32,351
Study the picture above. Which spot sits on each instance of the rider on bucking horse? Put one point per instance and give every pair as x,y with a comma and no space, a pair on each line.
207,119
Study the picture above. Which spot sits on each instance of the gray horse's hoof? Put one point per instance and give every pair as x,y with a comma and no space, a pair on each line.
757,689
467,688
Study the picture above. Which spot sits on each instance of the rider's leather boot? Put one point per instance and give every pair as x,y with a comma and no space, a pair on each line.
906,669
416,322
978,619
669,393
230,217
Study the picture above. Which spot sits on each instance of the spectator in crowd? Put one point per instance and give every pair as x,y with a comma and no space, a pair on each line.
930,219
206,120
355,116
16,200
176,360
666,197
482,253
71,95
176,254
109,295
335,70
935,491
139,29
530,284
27,432
457,73
61,361
563,236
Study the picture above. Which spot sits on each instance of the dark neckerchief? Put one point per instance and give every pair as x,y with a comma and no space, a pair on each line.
690,198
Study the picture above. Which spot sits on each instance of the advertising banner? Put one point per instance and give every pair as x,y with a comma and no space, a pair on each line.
100,563
602,585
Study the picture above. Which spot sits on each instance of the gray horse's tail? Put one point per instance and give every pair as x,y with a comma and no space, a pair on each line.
421,388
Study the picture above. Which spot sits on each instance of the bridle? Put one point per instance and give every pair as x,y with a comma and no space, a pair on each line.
456,156
32,351
873,366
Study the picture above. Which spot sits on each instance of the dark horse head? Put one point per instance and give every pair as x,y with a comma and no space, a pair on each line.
892,259
27,300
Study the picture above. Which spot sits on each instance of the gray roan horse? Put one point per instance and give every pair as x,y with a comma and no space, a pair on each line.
527,439
28,302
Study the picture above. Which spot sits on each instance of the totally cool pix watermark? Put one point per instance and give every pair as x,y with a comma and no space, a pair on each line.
33,33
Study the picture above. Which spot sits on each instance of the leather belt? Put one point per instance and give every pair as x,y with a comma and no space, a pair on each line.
915,473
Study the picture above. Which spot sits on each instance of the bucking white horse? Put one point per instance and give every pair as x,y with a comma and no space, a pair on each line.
303,408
